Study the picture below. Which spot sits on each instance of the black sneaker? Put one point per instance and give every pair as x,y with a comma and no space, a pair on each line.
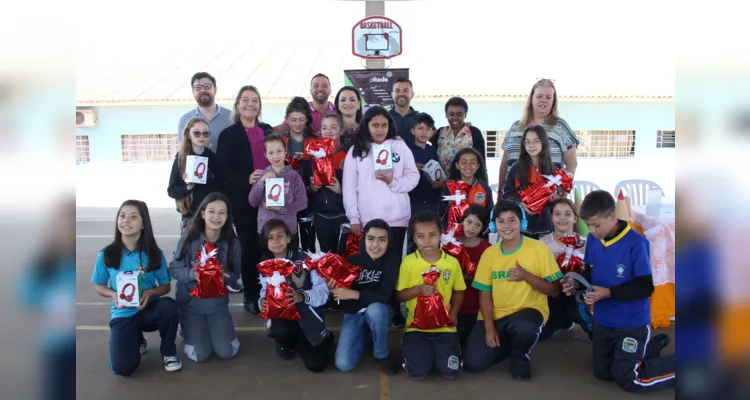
144,346
285,353
398,321
656,345
172,363
387,366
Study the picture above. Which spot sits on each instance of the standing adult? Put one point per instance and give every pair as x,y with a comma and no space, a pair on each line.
402,112
320,90
541,109
218,117
242,160
458,134
349,106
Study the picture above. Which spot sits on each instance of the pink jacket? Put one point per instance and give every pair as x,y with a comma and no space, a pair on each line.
367,198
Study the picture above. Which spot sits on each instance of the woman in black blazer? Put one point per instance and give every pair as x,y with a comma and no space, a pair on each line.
242,159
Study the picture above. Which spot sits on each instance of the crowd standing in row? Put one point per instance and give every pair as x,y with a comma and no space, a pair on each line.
514,298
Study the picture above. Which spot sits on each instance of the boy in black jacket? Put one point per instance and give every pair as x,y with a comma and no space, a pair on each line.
366,304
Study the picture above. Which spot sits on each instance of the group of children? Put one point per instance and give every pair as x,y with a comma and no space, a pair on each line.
515,297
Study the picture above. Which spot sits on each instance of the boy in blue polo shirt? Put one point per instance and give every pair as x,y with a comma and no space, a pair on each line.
619,270
134,248
426,196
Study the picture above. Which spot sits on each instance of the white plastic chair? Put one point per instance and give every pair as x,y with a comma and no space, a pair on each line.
585,187
638,190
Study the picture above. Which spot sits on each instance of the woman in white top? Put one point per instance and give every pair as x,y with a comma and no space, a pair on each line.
564,311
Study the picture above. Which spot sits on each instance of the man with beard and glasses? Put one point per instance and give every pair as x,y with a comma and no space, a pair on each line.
402,112
320,90
218,117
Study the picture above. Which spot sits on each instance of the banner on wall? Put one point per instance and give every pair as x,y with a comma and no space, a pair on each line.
375,85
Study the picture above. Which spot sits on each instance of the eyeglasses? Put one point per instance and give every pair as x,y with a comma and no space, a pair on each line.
205,134
205,86
535,142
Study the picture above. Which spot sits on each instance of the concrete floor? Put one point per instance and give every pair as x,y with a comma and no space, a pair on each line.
560,368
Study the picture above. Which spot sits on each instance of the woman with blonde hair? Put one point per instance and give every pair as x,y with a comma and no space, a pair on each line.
541,109
188,196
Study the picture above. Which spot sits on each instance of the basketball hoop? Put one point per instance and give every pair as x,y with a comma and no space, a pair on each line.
376,38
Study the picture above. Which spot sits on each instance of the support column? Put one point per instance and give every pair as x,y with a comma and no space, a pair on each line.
375,8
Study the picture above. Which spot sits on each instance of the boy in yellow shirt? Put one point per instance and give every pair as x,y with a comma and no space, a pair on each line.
514,278
425,350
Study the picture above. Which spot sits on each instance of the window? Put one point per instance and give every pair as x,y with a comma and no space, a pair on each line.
665,140
603,144
151,147
83,154
493,143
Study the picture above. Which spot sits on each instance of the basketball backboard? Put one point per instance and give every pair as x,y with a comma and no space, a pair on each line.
376,38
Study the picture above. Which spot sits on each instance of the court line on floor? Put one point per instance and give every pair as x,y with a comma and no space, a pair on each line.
383,387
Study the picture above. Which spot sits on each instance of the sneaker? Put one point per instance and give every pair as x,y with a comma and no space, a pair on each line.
172,363
143,346
572,325
179,332
237,288
387,366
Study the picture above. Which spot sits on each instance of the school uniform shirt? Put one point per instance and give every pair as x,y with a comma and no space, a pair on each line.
424,193
616,262
470,305
130,261
451,279
510,297
479,194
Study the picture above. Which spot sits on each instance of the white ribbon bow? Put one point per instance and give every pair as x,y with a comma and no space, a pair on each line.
317,153
276,280
450,238
455,197
205,256
315,256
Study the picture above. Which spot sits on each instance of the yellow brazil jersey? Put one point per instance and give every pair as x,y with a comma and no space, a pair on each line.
509,297
410,275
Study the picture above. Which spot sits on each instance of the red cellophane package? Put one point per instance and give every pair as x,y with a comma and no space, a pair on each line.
571,260
275,273
210,283
321,150
458,195
430,311
331,266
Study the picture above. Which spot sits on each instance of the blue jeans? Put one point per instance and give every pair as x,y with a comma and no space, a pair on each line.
354,334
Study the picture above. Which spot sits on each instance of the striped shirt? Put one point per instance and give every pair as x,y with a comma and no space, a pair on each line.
561,139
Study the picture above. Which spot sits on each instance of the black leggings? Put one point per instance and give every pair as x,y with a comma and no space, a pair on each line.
246,226
328,231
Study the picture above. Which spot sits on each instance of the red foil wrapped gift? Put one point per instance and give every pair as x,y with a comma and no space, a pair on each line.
275,273
458,195
210,283
451,245
294,161
571,260
321,150
332,266
352,246
430,311
536,196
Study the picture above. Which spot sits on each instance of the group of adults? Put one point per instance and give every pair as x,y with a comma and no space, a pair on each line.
243,124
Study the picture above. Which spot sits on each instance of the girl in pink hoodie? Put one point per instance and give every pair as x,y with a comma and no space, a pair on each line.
383,194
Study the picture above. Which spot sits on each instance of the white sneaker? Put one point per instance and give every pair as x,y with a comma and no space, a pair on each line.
172,363
143,346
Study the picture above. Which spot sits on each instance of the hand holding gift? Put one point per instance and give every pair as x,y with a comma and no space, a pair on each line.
537,195
209,273
331,266
322,149
352,241
458,192
277,305
430,311
571,259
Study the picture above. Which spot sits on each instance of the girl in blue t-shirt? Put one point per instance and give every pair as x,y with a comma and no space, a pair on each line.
135,249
